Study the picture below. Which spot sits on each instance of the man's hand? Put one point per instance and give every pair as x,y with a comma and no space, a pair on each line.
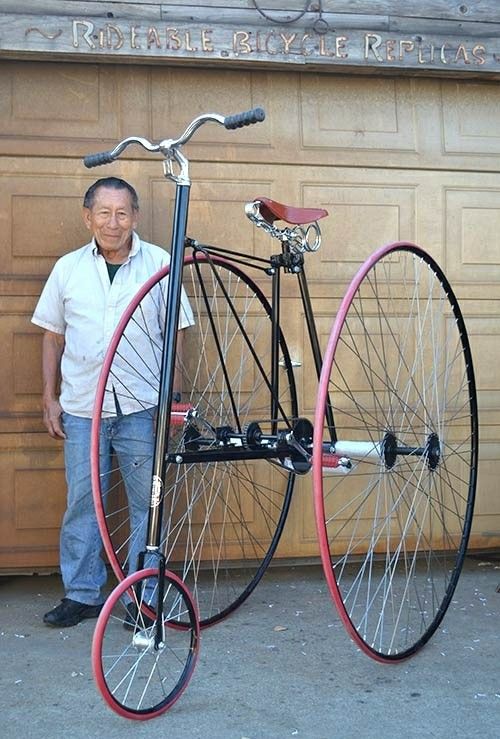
52,350
52,419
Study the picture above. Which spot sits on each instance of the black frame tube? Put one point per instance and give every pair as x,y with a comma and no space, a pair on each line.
314,341
172,312
275,337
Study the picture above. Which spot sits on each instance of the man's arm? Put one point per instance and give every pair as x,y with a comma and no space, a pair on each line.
52,350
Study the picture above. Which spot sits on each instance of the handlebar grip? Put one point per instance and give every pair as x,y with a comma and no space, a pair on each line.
95,160
256,115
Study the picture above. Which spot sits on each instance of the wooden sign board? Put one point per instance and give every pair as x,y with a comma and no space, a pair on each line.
131,40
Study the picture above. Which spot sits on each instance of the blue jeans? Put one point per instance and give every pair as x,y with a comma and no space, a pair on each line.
131,439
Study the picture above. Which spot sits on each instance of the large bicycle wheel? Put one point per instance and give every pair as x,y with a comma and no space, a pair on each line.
142,667
221,520
394,483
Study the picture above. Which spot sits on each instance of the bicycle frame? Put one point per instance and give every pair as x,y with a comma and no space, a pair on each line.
273,267
285,438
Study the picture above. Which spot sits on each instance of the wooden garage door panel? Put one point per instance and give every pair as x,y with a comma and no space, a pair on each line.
472,230
33,509
362,217
63,100
20,367
346,113
471,118
32,501
42,220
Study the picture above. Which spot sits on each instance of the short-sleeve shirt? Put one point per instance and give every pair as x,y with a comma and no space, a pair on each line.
80,302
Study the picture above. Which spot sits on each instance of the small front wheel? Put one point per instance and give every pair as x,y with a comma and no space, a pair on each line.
143,664
395,452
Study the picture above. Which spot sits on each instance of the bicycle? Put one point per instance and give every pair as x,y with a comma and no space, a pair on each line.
393,448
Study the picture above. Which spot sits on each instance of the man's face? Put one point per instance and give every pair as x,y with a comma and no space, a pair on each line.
111,220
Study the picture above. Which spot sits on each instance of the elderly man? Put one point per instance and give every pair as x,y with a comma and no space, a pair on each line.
79,308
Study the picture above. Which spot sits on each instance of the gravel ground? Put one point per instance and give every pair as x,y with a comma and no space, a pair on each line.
280,666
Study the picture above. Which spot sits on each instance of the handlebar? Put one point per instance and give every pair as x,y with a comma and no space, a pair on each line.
168,146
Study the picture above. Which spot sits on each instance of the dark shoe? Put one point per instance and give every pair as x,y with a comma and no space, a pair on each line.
69,613
134,622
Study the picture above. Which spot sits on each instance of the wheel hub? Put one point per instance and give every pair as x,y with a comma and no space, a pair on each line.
433,451
391,450
144,640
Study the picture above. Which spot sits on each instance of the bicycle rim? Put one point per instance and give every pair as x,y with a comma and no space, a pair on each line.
394,492
139,676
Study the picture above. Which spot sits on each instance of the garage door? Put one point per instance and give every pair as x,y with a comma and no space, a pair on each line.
390,158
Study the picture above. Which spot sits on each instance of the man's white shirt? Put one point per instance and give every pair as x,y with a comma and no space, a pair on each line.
79,302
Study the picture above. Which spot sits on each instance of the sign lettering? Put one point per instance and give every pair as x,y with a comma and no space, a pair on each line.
93,37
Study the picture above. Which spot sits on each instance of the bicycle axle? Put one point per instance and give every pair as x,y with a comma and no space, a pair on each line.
293,448
388,450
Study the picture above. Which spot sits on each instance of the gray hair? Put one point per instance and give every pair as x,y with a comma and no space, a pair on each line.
115,183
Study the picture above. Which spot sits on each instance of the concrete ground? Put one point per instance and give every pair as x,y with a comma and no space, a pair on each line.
281,666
